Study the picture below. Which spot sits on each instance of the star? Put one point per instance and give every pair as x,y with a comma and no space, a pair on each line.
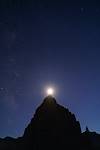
1,89
82,9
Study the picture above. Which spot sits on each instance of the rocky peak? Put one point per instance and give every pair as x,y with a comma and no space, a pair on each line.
53,122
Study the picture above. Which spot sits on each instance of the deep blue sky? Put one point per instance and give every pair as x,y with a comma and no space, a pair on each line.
49,43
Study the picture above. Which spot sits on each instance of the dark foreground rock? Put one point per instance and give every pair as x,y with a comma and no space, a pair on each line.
53,127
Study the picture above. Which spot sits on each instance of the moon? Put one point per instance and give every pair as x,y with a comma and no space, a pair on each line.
50,91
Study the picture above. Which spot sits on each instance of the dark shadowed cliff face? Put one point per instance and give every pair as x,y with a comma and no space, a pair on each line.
52,127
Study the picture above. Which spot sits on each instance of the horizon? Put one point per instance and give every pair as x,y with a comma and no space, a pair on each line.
52,96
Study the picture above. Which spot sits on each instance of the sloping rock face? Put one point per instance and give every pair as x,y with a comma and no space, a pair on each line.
53,127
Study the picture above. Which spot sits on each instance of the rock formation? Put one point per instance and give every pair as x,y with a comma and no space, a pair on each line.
52,127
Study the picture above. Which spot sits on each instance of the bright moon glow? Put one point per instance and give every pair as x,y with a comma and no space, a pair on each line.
50,91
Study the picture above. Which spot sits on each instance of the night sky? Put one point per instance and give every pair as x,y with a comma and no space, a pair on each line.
54,43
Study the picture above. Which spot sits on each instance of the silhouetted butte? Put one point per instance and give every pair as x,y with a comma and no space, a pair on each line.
53,127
